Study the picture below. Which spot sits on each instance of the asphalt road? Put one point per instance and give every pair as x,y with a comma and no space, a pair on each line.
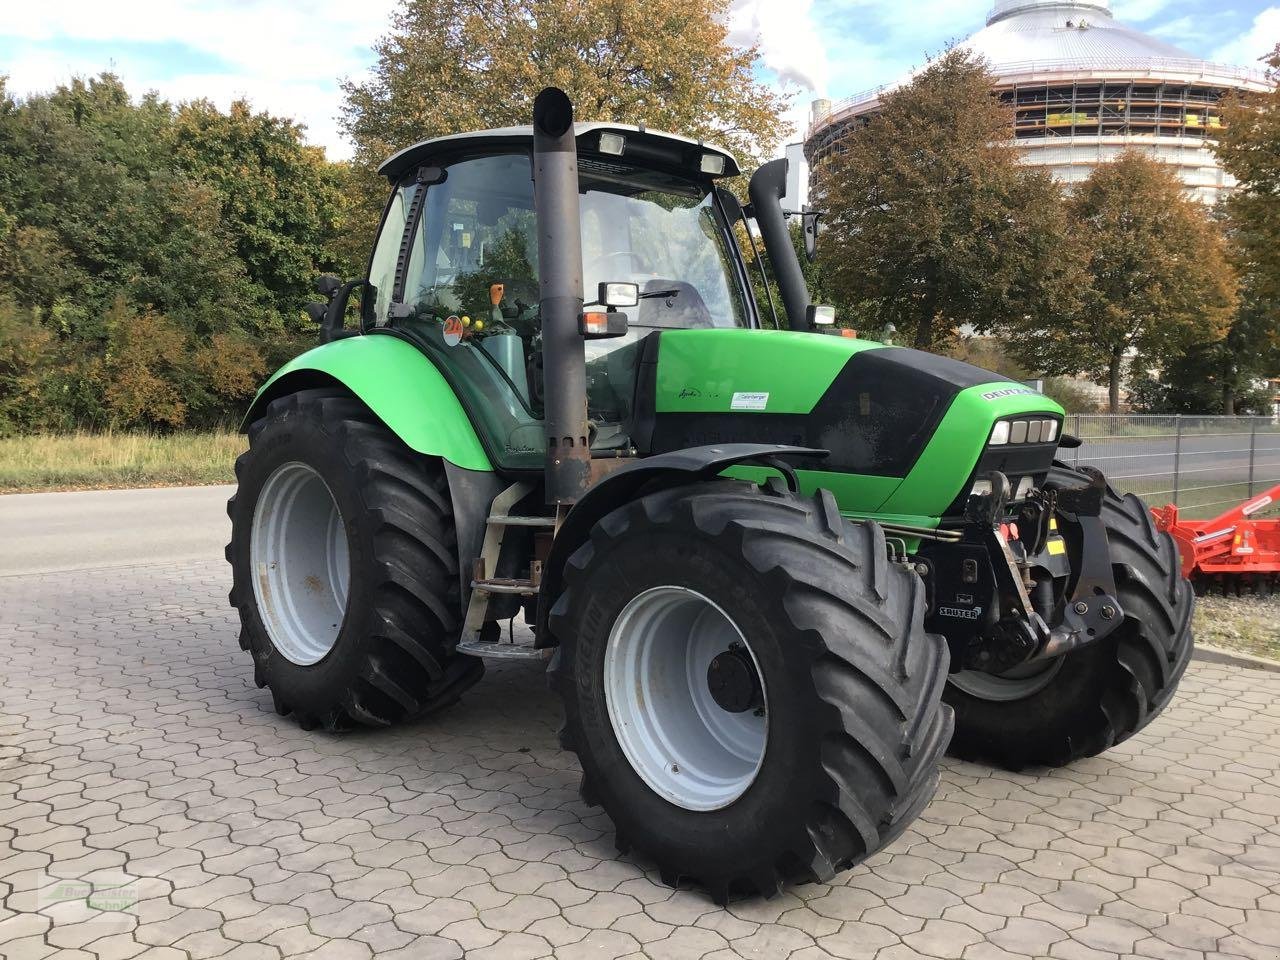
47,532
1146,464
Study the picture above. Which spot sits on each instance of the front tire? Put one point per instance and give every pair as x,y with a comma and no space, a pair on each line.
344,565
832,753
1090,700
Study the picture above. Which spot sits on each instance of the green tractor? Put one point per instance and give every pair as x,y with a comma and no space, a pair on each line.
768,570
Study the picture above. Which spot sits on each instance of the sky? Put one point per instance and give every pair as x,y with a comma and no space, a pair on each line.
288,56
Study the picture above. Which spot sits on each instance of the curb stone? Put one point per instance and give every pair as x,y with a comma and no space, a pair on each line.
1234,658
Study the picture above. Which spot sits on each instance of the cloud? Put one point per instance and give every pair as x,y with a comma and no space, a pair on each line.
263,50
790,45
286,56
1255,43
1137,11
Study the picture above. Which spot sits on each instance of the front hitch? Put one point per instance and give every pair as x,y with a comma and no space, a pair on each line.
1092,611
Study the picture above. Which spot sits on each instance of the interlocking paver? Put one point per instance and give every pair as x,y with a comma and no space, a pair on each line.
135,746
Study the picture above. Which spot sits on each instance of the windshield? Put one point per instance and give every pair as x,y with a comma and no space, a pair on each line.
663,235
638,226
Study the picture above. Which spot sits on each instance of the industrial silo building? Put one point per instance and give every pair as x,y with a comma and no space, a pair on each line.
1082,88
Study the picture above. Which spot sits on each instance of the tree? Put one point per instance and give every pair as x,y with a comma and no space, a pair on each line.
456,65
1156,277
1195,382
1249,149
161,252
282,202
931,222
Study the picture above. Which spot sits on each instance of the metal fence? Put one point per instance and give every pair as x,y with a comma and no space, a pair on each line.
1202,464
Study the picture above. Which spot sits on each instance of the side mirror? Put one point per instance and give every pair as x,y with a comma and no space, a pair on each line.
809,225
332,315
602,324
326,285
618,294
820,315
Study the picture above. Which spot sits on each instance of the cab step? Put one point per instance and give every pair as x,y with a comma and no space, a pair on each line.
523,588
499,650
512,520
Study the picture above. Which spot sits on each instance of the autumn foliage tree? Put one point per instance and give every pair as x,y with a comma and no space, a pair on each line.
931,223
153,258
455,65
1155,278
1249,149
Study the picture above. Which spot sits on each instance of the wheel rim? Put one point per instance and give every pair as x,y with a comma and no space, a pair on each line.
301,563
676,736
1017,684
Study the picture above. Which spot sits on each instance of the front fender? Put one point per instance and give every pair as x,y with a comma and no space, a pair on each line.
689,465
397,382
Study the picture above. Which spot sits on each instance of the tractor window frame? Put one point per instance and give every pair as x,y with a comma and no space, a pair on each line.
746,291
368,321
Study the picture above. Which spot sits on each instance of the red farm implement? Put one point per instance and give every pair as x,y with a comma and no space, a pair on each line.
1233,551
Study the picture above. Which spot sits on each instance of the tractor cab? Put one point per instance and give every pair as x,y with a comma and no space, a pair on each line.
456,269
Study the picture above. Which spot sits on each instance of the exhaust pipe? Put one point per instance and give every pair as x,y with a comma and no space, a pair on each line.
767,188
564,362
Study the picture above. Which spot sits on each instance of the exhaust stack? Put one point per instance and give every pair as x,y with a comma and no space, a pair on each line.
564,368
767,188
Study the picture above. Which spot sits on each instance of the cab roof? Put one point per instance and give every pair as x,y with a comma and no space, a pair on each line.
643,147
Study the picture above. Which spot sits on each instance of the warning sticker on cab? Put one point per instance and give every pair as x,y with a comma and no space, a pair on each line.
749,401
453,331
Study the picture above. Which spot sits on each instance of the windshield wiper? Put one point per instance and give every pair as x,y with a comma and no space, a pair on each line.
651,294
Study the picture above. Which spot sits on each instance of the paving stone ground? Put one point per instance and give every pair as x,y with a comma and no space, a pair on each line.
152,804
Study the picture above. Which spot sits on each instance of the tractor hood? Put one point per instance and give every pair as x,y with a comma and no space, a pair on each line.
911,425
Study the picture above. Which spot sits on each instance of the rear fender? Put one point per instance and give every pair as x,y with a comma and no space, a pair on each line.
397,382
408,394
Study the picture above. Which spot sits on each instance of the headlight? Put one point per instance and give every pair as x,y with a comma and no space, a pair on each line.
1024,430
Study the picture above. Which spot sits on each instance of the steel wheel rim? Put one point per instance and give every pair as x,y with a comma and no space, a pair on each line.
1019,683
301,563
683,744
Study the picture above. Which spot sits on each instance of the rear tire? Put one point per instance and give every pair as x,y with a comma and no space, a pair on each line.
385,654
1103,694
851,685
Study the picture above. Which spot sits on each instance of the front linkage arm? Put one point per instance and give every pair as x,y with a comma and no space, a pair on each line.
1091,612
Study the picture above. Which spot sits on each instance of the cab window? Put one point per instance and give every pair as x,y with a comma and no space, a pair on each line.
382,268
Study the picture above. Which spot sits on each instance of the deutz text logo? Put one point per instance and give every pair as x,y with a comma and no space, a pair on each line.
1009,392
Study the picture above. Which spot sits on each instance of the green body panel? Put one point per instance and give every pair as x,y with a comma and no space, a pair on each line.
701,370
953,450
857,494
401,386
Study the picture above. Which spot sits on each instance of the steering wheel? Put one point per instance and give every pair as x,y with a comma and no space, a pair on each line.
636,265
